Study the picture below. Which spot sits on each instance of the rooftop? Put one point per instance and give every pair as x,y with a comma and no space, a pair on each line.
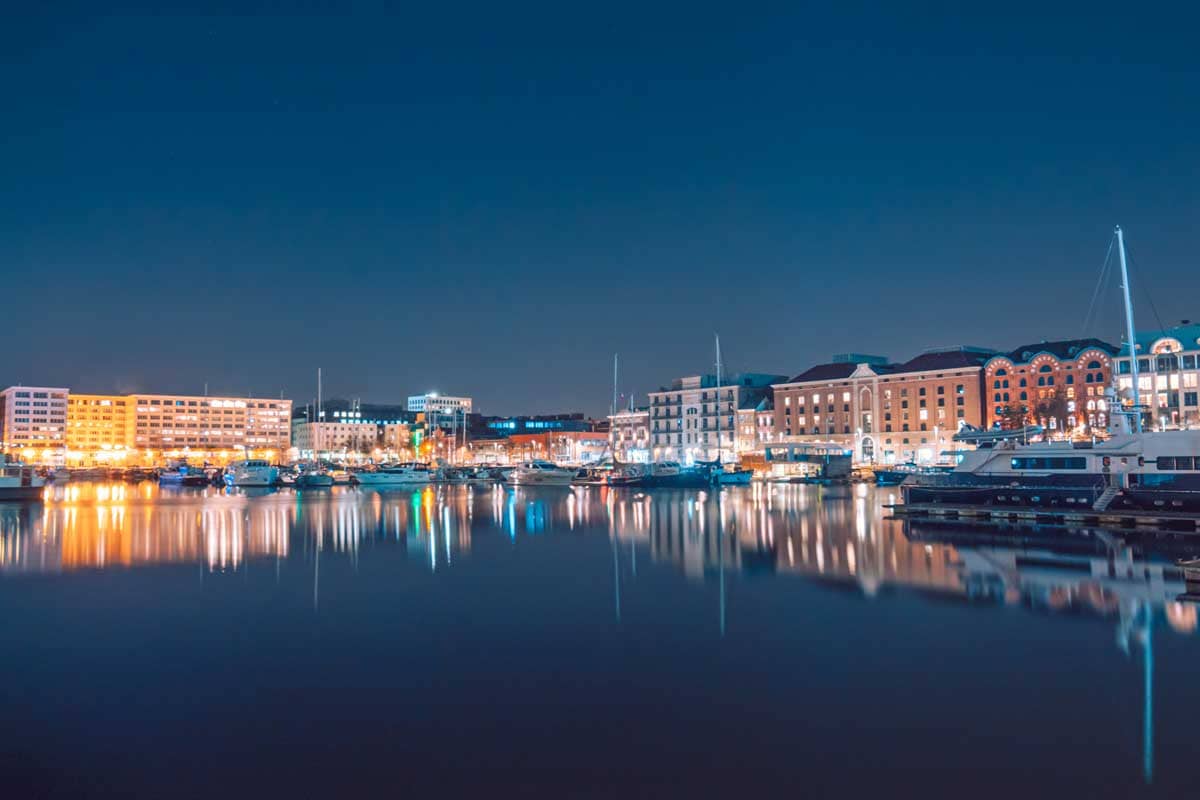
1064,349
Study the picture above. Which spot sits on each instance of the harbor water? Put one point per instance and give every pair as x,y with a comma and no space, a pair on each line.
582,642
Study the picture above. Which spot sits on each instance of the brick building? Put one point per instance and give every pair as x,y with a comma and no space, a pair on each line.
885,413
1060,385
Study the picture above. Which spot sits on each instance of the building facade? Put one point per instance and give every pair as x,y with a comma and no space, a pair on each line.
33,418
885,413
434,403
1169,374
98,422
694,420
629,435
1058,385
208,424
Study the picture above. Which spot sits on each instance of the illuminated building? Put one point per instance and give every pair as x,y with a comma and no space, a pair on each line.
885,413
33,417
175,422
98,422
564,447
1169,374
686,419
629,432
434,403
1060,385
310,438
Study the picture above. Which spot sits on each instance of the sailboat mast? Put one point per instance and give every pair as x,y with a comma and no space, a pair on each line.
614,400
1129,335
717,337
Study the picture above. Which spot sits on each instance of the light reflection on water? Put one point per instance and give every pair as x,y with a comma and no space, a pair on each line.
831,536
839,534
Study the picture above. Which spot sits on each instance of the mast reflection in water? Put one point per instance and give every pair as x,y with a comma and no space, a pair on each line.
515,615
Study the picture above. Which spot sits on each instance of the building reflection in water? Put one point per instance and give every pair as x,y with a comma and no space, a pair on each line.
828,534
99,526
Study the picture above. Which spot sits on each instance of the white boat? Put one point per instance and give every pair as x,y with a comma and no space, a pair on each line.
251,472
541,473
386,475
19,481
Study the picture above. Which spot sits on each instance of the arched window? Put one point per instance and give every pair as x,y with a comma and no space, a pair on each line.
1088,378
1042,381
1094,365
1006,397
1001,372
1023,384
996,384
1070,379
1045,368
997,397
1024,396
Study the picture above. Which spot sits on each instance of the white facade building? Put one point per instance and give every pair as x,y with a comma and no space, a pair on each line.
629,435
1168,374
694,420
435,403
33,417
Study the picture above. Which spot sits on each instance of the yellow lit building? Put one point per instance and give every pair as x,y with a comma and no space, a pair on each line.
210,424
97,422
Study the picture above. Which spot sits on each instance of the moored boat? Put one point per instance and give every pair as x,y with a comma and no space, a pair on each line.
251,472
390,475
541,473
19,481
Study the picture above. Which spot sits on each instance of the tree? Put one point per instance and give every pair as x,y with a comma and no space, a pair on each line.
1053,405
1012,416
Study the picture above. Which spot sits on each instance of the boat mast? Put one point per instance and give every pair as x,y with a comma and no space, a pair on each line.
1129,335
614,400
717,337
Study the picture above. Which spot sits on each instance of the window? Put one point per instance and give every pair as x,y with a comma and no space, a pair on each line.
1178,463
1070,462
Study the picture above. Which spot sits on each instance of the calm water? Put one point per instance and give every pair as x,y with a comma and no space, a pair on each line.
580,643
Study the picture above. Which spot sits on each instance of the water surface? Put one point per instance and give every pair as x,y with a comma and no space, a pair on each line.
581,643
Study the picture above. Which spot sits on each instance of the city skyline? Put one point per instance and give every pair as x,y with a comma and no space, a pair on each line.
494,203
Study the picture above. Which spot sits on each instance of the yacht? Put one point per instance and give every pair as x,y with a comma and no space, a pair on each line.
895,474
251,472
662,475
313,478
182,475
385,475
19,481
1129,472
541,473
1134,470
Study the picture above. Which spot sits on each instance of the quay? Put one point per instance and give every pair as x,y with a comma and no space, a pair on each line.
1174,521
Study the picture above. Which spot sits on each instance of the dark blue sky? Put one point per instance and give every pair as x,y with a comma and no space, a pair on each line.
493,198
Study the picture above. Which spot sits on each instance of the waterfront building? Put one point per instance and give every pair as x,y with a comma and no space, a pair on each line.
33,418
313,438
434,403
685,418
885,413
1058,385
507,426
629,435
205,425
354,427
764,421
98,423
565,447
1169,374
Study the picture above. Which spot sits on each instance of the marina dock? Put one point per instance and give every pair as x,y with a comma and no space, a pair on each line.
1174,521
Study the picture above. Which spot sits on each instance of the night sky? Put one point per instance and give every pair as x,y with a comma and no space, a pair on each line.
492,198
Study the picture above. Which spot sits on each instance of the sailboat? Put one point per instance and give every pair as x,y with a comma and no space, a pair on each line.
1134,470
721,476
314,476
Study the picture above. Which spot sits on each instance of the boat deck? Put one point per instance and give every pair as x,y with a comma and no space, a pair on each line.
1186,523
